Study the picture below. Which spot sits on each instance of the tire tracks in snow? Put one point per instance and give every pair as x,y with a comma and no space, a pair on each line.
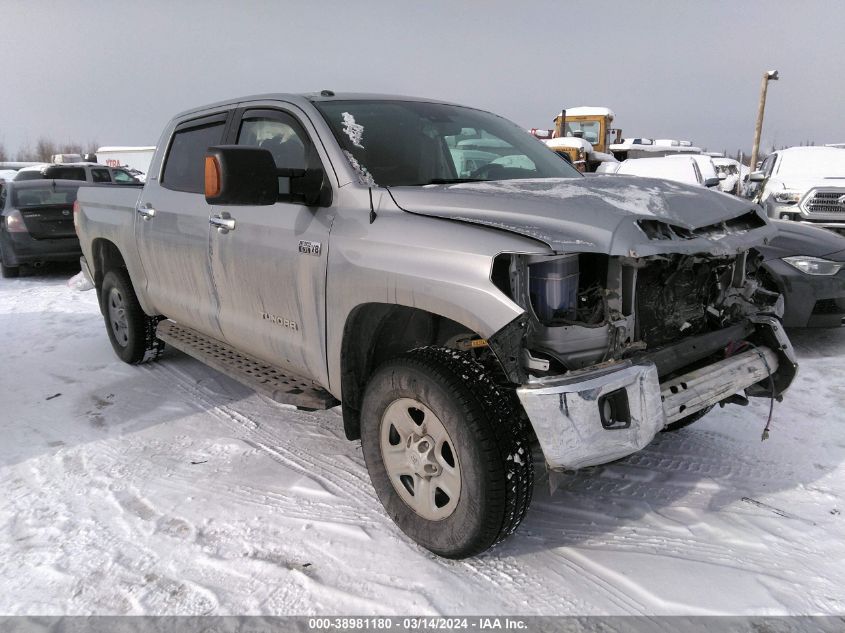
346,485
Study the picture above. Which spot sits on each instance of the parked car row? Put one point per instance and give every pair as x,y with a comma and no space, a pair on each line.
36,210
37,223
86,172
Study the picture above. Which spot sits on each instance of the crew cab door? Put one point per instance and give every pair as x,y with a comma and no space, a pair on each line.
270,268
172,228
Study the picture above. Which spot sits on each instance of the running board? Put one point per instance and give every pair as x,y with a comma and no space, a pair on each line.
251,372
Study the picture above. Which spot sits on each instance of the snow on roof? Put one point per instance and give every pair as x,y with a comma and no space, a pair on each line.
721,160
121,148
589,111
665,168
705,163
812,161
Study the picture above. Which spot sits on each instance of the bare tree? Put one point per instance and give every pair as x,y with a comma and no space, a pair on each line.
26,154
45,148
3,156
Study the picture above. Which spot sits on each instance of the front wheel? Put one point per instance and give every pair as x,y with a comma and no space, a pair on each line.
447,451
131,331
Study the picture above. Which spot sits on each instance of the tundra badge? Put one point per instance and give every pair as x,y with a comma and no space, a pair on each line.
309,248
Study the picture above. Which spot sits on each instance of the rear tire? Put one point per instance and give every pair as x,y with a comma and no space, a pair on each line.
131,331
447,450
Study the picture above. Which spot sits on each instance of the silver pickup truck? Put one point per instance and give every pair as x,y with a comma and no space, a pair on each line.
467,297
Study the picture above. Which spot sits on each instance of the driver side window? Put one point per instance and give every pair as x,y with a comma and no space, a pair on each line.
280,134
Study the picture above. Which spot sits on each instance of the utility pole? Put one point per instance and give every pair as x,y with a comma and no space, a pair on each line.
770,75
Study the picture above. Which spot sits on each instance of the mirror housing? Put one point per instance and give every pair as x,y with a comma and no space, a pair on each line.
236,175
240,175
711,182
757,176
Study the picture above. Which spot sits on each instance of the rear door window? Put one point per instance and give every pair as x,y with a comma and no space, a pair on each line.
184,167
66,173
123,176
100,175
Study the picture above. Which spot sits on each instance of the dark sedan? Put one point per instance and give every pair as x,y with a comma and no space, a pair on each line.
807,265
36,224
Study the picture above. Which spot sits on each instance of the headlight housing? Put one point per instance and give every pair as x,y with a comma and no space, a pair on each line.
814,265
787,197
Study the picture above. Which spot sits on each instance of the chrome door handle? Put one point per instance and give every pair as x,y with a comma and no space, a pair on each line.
224,225
146,211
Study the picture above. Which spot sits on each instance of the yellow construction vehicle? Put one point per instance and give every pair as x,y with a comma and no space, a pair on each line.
582,135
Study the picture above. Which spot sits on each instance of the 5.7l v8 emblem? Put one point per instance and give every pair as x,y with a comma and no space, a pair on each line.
309,248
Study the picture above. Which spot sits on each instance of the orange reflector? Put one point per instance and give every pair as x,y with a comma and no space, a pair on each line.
212,177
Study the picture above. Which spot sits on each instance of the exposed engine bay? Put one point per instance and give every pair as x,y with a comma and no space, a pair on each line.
588,309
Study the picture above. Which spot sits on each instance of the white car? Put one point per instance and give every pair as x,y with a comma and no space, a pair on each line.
678,168
731,170
705,165
88,172
805,184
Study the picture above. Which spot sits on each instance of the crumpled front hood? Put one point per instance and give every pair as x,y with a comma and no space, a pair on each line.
598,214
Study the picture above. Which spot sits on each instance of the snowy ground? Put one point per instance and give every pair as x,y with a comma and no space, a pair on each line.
169,489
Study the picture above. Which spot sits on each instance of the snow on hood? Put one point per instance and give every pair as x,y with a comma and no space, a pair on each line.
803,183
596,214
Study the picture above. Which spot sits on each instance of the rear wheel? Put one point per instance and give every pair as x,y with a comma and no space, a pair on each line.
447,451
131,331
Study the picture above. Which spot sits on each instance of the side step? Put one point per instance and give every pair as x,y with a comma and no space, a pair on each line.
255,374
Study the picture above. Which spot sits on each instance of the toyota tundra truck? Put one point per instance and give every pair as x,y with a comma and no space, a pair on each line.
325,250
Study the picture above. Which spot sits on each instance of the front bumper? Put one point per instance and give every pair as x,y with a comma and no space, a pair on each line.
596,416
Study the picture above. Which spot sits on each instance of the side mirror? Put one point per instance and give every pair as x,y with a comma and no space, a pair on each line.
711,182
757,176
238,175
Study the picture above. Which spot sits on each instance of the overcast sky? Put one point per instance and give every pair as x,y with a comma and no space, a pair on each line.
115,72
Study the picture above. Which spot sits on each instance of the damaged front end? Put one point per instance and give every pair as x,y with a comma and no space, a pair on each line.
612,349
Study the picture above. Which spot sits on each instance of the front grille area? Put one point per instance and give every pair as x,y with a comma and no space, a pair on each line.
829,306
672,297
826,202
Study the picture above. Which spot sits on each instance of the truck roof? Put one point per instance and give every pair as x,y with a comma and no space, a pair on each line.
303,98
589,111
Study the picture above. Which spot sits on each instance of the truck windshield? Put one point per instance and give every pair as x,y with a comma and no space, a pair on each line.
412,143
44,196
591,130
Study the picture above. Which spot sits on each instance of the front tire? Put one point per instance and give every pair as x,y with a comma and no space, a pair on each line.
131,331
447,450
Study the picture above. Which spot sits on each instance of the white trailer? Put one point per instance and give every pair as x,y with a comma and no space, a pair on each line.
133,157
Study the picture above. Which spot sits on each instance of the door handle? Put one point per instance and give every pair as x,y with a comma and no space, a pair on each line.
224,225
146,211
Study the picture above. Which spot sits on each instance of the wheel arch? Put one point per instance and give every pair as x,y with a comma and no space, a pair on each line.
375,332
105,256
